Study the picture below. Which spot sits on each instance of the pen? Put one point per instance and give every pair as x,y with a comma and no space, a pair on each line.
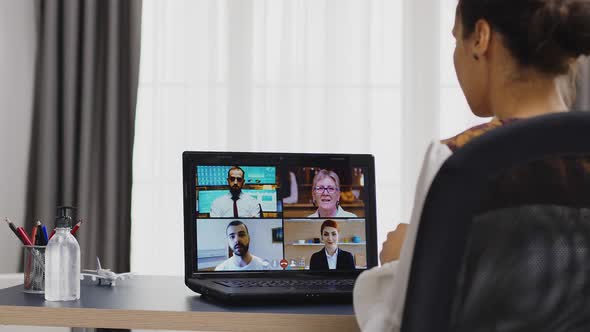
45,237
34,232
40,239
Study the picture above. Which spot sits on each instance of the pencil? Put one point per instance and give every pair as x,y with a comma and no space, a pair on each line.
12,227
76,227
23,236
20,233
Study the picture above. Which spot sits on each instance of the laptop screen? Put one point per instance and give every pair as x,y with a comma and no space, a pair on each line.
279,212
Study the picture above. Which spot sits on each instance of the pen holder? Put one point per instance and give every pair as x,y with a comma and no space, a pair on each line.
34,269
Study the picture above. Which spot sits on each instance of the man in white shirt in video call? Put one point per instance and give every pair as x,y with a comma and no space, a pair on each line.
236,203
238,239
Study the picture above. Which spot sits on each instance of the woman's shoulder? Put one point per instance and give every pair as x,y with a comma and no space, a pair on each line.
344,214
313,215
464,137
317,253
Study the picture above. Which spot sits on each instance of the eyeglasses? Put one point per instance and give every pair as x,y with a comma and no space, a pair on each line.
234,178
321,190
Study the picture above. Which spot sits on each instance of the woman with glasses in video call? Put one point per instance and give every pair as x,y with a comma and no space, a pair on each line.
331,257
325,191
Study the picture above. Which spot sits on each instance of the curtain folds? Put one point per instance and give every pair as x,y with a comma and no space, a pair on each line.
83,121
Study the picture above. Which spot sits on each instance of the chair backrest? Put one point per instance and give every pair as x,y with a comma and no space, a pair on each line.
504,237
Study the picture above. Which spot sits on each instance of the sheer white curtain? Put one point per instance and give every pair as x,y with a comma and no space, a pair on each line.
281,75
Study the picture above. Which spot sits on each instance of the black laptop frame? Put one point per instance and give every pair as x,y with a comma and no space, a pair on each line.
190,159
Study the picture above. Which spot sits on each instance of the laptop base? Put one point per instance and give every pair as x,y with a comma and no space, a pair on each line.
211,289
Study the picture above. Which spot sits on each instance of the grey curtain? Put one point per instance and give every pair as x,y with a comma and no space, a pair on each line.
583,87
83,121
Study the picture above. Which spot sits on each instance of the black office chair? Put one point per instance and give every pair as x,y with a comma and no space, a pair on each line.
504,237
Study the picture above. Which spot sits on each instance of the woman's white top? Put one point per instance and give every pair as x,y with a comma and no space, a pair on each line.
340,213
380,293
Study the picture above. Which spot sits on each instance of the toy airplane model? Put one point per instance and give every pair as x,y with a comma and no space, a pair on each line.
105,277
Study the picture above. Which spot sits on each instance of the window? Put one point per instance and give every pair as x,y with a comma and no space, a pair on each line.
275,75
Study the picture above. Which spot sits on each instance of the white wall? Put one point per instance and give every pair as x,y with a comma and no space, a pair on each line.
261,243
17,56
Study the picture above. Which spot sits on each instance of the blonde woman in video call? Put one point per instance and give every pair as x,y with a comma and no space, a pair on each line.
325,191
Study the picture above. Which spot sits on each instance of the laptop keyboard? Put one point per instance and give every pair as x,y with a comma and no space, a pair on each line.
290,283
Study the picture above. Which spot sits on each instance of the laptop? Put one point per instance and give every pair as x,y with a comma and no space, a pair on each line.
278,226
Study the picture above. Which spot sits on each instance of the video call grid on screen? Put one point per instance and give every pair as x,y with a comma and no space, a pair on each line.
283,217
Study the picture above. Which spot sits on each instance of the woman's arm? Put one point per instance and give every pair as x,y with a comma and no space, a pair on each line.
393,245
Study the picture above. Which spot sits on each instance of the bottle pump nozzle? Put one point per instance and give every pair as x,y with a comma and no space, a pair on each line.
64,218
